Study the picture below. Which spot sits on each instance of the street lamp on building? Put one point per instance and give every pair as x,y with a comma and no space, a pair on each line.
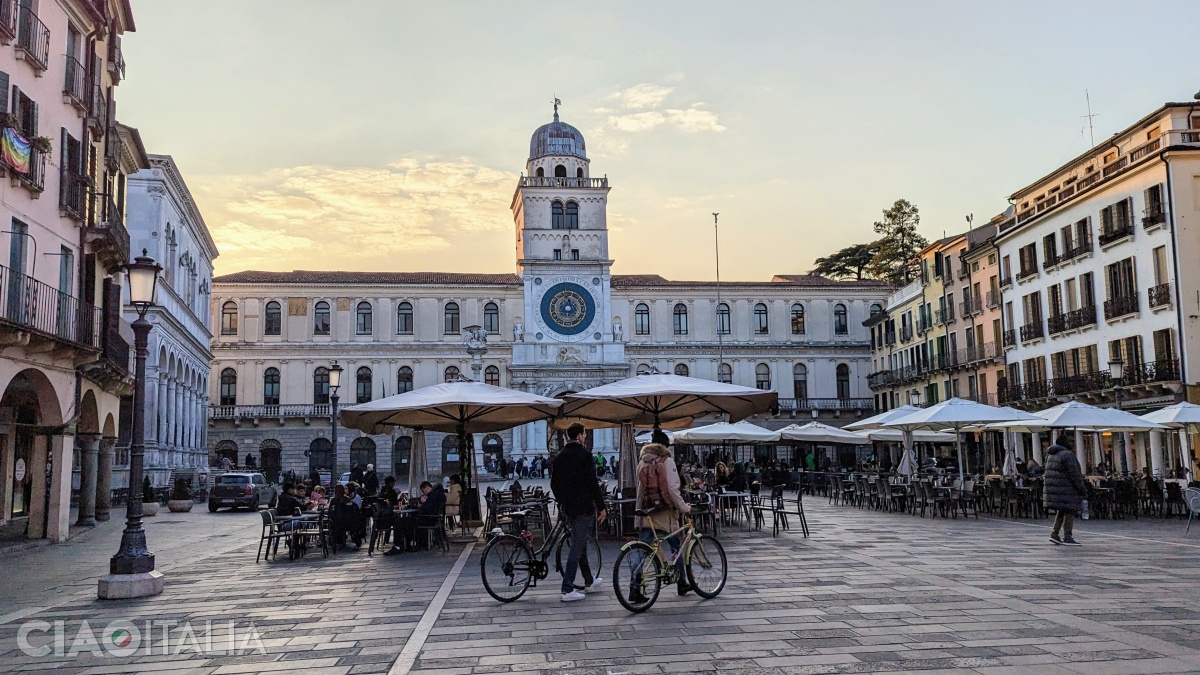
131,572
1116,372
335,381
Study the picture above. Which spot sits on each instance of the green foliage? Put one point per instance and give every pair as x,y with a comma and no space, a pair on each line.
148,491
849,263
896,258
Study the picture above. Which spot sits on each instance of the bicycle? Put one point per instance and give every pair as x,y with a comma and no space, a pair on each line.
510,565
638,573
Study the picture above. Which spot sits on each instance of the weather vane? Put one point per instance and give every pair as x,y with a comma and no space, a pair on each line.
557,103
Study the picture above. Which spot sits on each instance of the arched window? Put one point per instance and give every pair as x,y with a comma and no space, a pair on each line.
450,319
321,386
681,369
723,323
404,318
228,387
875,309
229,318
491,375
643,369
762,376
271,386
362,388
362,318
556,215
362,452
401,453
800,381
679,319
541,172
579,172
560,171
761,324
320,454
321,318
797,319
572,222
451,462
491,318
840,325
725,373
404,380
452,373
641,319
843,381
273,322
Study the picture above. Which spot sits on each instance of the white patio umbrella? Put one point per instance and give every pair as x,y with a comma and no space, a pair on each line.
896,436
648,436
658,398
908,464
1010,462
1084,417
1182,415
905,437
955,413
815,432
739,433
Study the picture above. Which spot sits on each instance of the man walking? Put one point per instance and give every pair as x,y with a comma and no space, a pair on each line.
1064,489
573,482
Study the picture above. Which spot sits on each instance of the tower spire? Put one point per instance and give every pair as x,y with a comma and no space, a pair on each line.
556,104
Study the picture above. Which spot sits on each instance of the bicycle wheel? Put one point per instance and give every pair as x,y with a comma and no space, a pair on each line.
505,568
706,569
637,576
591,550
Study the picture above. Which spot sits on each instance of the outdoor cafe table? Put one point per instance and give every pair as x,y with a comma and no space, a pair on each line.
734,501
616,514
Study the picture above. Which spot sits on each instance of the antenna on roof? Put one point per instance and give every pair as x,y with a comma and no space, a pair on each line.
1089,116
557,103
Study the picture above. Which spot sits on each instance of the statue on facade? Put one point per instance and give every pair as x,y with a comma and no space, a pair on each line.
569,356
475,337
618,334
518,331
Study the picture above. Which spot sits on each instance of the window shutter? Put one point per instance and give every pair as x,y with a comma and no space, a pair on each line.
3,90
34,126
14,103
64,154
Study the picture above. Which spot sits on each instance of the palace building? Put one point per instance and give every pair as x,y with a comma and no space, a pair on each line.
560,322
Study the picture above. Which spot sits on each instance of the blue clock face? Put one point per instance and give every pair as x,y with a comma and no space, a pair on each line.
568,308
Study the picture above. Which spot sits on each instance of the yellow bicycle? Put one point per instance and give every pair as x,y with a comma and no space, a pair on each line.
642,568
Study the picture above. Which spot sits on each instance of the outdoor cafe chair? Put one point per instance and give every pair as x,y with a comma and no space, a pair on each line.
434,528
1191,497
1174,501
834,487
272,534
964,499
381,526
920,490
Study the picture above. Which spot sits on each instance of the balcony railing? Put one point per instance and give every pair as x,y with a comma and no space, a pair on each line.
1116,233
33,39
1120,306
789,404
1079,384
1032,331
109,234
8,21
963,272
563,182
882,378
116,351
1073,320
116,59
1052,259
30,305
924,325
906,333
235,412
72,195
1160,295
97,118
1010,338
1026,272
35,180
993,299
1115,166
1154,216
77,88
1162,370
970,306
1005,281
1144,150
1083,247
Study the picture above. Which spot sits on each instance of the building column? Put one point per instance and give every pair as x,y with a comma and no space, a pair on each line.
1037,449
160,434
185,431
37,492
1139,447
1127,441
89,447
1156,453
172,417
104,478
59,522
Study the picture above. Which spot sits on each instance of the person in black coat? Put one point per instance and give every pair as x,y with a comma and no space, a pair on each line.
581,501
1064,489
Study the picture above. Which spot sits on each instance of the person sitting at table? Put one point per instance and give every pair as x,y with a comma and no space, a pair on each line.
353,492
388,492
454,498
722,474
431,503
317,496
1033,468
737,481
345,518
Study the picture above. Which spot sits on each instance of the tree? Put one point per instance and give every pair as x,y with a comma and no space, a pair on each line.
896,258
848,263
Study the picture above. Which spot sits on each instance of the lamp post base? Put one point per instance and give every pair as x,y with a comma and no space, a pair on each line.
125,586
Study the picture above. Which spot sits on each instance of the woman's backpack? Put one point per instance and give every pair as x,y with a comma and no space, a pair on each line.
653,479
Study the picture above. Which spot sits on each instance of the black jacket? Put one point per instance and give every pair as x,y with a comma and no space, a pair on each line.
573,481
1064,488
371,482
287,505
435,502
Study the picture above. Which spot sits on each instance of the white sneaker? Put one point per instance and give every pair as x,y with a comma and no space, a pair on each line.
597,586
572,596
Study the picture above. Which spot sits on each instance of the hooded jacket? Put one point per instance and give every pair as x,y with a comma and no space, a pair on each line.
666,519
1064,488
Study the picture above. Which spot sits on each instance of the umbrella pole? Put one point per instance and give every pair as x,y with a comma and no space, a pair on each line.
958,443
470,498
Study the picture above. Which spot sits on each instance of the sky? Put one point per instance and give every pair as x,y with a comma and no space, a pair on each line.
386,135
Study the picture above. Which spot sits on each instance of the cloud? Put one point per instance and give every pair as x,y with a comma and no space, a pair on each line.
645,95
410,205
694,119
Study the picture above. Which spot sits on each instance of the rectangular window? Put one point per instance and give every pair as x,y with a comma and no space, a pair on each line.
641,320
1160,265
558,254
1154,205
1056,300
1164,345
1087,293
1122,279
574,254
1050,249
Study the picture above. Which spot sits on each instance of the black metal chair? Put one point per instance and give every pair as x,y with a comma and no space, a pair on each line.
434,528
271,535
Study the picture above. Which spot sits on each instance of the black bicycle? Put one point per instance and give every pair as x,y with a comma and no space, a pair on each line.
510,564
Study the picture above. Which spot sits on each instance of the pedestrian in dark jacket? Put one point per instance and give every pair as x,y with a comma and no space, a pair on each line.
579,497
1064,489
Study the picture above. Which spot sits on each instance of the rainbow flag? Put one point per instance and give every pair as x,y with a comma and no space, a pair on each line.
14,150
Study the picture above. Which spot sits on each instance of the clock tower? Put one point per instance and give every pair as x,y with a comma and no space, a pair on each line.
568,339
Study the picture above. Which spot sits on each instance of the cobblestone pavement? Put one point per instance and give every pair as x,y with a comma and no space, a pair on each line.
867,592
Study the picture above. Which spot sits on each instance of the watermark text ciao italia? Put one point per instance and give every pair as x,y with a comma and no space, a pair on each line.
125,638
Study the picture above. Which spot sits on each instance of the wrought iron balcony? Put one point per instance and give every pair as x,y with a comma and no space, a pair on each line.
971,306
1005,281
33,39
993,299
109,237
77,89
116,59
924,325
882,378
1162,370
1160,295
1116,233
1026,272
1120,306
34,307
1032,331
906,333
35,179
72,195
563,182
1153,217
8,21
1010,338
1081,248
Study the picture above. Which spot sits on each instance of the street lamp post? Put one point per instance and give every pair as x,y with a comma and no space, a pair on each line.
131,572
1116,371
335,381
